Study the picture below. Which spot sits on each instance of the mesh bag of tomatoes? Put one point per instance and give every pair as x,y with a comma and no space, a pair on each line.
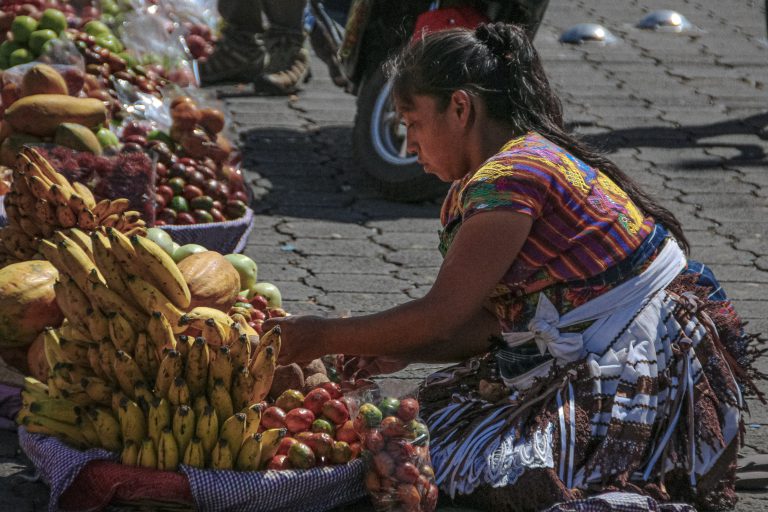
400,475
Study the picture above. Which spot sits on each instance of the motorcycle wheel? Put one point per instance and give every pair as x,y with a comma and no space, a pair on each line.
378,141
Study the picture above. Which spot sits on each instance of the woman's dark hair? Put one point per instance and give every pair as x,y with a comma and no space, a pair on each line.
498,63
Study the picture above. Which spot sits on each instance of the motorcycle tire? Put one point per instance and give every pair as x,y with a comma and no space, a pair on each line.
376,144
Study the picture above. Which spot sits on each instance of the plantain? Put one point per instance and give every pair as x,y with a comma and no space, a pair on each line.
194,455
220,399
163,270
147,455
107,428
270,442
171,368
183,426
127,372
221,456
233,431
158,418
151,299
249,458
167,451
121,332
130,454
133,423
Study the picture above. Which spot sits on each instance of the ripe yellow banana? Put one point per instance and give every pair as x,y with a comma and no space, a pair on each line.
183,426
107,428
75,332
130,454
108,264
241,388
220,399
151,299
271,338
41,166
121,332
243,327
164,271
199,404
167,451
73,303
50,251
220,367
117,399
36,387
160,332
146,357
127,372
178,393
143,395
171,368
270,442
221,456
107,357
133,424
93,361
249,458
85,193
52,348
97,389
215,333
197,317
183,344
252,418
194,455
97,324
158,418
74,351
196,370
207,429
147,454
240,352
57,409
233,431
78,264
110,302
82,239
263,371
89,431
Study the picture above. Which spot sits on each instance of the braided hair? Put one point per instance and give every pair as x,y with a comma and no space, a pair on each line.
497,63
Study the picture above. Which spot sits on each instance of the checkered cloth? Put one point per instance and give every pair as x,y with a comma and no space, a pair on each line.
311,490
619,502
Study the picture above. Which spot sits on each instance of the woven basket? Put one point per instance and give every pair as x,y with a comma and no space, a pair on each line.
224,237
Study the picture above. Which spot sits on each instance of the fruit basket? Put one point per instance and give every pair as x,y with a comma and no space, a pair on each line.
224,237
80,477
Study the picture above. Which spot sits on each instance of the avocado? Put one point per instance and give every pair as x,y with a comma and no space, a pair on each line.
77,137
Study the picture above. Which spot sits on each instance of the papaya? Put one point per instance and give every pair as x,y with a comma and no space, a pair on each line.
77,137
27,302
41,114
42,79
213,281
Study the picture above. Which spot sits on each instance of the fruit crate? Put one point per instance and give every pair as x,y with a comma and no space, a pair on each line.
94,479
224,237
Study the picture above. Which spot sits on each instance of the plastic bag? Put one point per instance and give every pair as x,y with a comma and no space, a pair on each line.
396,441
73,75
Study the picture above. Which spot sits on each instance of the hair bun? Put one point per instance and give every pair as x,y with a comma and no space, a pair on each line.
495,36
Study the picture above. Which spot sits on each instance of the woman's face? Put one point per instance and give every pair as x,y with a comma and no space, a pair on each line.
435,136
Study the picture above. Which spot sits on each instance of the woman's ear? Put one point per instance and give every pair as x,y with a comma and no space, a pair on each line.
462,107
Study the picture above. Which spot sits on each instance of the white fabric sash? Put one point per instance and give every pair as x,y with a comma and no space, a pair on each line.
610,312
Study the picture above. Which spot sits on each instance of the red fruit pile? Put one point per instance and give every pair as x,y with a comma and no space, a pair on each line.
401,475
320,431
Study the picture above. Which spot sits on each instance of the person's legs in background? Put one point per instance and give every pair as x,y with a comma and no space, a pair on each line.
285,37
240,54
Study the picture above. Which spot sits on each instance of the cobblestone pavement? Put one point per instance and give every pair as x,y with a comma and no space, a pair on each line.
685,114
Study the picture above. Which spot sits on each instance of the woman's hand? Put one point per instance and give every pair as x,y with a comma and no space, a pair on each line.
301,336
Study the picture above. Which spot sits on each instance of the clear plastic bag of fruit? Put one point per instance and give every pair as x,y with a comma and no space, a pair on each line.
400,476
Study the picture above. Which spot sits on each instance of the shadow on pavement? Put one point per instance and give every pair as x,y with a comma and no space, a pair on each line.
694,137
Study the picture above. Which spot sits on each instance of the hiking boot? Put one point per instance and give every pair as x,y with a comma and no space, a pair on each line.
240,56
288,65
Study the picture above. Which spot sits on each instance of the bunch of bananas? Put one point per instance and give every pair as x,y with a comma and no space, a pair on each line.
42,200
133,372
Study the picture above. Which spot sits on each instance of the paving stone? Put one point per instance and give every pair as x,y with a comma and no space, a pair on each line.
320,229
362,303
415,259
338,264
351,247
335,283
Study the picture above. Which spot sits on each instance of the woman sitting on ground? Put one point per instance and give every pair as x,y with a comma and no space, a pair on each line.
596,356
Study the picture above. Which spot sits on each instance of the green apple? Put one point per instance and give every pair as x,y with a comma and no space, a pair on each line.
107,138
269,292
97,28
247,269
53,19
38,39
20,56
161,238
22,27
187,250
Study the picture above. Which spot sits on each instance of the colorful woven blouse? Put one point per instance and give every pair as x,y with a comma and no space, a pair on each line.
582,222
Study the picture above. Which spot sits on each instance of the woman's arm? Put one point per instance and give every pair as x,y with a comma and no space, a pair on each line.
425,328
